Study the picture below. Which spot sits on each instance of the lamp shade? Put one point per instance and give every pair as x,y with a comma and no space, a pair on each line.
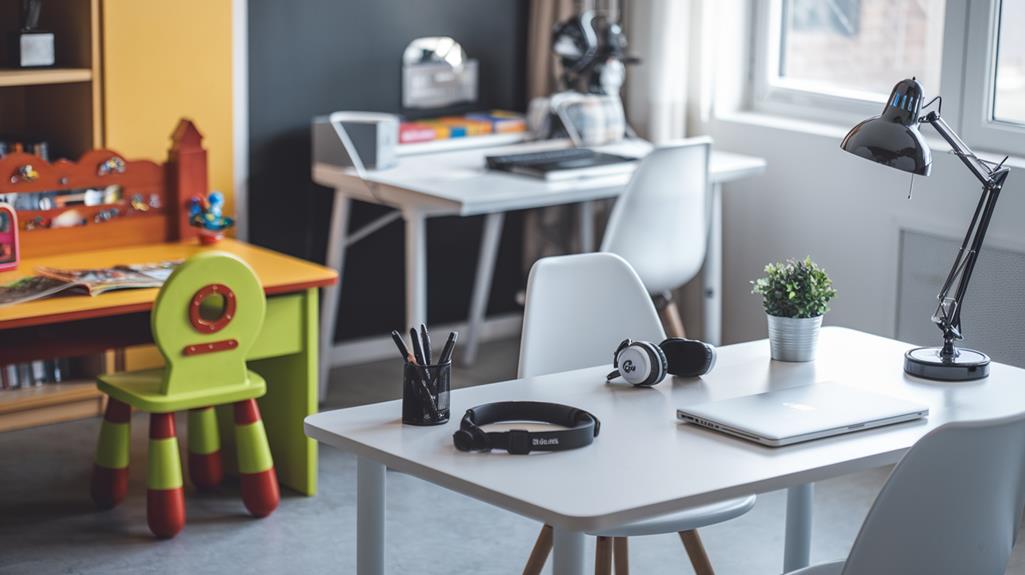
892,138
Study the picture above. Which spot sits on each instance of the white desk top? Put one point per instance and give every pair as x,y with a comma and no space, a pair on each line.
457,182
644,463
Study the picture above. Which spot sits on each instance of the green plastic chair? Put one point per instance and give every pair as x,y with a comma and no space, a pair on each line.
204,320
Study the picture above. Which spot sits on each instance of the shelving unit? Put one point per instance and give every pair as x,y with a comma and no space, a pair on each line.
49,403
62,106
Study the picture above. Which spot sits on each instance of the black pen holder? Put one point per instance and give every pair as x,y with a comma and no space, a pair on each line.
425,390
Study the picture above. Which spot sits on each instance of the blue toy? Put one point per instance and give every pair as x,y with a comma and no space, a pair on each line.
208,213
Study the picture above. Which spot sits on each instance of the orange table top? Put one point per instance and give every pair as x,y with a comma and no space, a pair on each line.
278,273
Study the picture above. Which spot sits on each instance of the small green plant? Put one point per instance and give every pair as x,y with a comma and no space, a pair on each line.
795,289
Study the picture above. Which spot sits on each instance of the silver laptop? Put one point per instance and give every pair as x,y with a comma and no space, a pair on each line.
797,414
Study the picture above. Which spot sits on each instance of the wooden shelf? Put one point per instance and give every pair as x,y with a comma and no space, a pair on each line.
44,76
49,403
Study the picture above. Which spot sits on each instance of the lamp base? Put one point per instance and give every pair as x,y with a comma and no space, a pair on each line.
926,362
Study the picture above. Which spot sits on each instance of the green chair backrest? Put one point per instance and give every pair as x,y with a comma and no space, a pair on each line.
206,317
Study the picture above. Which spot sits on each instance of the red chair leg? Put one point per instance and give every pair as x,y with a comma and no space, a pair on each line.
165,497
109,482
205,469
258,480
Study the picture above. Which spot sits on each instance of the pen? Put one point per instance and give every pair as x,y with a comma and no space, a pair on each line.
403,351
425,339
425,392
450,344
418,351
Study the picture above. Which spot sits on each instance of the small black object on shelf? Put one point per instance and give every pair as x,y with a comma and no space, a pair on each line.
893,139
32,47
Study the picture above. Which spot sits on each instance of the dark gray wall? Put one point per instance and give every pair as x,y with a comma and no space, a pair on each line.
310,57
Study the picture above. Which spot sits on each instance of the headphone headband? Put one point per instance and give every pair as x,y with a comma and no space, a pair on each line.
583,427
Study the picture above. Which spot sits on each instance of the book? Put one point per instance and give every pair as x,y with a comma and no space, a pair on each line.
53,281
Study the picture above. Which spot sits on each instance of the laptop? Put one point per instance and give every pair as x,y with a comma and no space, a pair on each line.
796,414
563,164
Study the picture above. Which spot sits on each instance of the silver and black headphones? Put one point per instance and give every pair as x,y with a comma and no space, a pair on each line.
643,364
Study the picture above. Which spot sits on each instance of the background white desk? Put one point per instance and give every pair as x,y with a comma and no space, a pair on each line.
457,183
641,443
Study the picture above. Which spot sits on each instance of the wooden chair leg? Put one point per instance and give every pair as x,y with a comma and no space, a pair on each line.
603,556
165,497
538,555
669,313
696,552
620,555
109,482
257,478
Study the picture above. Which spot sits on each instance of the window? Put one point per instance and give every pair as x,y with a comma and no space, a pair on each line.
1009,95
837,60
860,45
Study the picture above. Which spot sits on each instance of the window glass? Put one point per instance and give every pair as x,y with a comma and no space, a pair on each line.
1009,96
861,45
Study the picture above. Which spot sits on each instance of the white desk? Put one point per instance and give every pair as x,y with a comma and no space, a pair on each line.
641,443
457,183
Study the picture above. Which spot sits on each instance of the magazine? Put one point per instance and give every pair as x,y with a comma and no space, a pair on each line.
51,281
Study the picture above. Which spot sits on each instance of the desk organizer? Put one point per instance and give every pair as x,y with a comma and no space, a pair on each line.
425,393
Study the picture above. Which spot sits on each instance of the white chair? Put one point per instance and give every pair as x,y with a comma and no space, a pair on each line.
952,506
578,309
660,224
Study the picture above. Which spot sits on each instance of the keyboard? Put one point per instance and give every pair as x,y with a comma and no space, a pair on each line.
509,161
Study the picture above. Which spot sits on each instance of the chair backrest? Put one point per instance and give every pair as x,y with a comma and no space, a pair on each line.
578,309
659,224
206,317
951,506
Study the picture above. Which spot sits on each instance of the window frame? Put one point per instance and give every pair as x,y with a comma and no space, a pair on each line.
967,78
979,127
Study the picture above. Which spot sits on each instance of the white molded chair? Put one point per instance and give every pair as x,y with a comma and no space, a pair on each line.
578,309
660,225
952,506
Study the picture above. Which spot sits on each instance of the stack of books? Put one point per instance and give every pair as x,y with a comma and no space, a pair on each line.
470,125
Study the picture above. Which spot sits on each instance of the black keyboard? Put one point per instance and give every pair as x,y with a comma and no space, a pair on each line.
533,158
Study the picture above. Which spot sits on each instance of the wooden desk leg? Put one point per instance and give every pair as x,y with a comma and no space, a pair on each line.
797,547
569,552
711,275
371,483
291,396
492,236
416,268
336,261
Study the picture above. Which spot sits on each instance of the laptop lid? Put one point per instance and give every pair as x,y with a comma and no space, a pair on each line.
794,412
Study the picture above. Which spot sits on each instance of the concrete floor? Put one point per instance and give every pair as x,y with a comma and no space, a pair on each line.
48,524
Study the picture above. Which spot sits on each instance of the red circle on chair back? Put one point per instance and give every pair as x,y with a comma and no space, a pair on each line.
203,325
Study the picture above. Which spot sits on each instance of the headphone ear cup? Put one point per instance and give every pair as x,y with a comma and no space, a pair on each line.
688,357
657,361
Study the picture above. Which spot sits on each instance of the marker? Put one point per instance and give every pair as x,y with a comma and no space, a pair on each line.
426,339
403,351
418,351
450,344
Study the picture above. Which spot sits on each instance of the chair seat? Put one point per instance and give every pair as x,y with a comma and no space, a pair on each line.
821,569
142,390
685,520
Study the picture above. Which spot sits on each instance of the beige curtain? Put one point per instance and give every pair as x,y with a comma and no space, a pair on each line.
656,89
547,231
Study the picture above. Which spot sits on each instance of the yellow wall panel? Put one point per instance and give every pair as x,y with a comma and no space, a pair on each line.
165,59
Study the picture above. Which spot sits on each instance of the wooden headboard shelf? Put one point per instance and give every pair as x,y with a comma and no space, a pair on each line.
151,208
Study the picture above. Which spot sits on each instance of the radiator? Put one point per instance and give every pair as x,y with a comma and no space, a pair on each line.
993,317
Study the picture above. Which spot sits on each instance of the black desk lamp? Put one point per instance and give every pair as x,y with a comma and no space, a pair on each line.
893,139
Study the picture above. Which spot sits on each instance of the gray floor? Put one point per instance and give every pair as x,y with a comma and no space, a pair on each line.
48,525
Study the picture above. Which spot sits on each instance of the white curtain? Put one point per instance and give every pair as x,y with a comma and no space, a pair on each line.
656,89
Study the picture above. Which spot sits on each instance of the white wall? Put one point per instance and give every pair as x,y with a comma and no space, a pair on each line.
845,212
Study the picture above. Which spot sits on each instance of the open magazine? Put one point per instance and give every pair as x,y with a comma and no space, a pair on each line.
51,281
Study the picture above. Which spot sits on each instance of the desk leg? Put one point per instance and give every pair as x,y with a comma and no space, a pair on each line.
336,247
797,548
585,217
569,552
370,490
712,275
416,268
482,283
291,397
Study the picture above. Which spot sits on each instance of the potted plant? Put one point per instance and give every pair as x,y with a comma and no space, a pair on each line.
795,295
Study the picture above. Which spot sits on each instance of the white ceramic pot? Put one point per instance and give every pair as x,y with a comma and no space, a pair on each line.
793,338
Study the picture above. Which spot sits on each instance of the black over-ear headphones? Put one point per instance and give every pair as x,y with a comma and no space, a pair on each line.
582,427
643,363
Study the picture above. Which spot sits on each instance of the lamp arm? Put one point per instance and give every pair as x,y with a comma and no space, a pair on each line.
948,312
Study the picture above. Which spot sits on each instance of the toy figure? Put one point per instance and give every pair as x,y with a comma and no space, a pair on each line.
207,214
